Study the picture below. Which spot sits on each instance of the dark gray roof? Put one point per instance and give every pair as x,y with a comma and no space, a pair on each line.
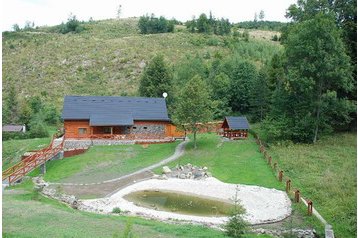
108,120
237,123
12,128
105,110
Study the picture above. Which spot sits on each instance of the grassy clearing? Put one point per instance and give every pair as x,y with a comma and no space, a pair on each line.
241,162
107,162
232,162
326,173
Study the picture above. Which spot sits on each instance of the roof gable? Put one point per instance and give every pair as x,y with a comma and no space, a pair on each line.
237,123
118,110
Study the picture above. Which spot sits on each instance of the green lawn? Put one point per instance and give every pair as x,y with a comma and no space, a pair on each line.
106,162
12,150
27,215
232,161
325,172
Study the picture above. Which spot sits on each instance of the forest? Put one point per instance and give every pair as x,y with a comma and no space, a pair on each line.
304,92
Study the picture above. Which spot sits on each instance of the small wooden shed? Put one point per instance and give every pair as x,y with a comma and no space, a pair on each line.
14,128
235,128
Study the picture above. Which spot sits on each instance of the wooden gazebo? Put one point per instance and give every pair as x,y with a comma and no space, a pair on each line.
235,128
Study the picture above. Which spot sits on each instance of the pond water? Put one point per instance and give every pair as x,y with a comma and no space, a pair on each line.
180,203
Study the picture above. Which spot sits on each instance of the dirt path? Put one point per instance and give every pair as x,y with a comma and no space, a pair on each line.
107,187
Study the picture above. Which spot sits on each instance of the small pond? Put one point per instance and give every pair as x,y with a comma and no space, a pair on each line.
180,203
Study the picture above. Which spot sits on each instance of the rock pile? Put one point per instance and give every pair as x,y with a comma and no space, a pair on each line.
299,233
187,171
42,186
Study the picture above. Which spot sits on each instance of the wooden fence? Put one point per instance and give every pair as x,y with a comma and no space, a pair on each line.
291,191
29,163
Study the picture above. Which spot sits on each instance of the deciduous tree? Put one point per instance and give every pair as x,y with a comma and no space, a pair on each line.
194,105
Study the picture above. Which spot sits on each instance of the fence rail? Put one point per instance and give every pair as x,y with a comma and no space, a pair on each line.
39,157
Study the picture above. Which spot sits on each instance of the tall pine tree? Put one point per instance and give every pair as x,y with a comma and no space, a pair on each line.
156,78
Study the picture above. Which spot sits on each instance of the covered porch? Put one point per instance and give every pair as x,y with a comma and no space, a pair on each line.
110,132
109,127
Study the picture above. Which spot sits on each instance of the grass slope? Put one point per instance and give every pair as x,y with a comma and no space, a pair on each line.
326,172
232,162
107,58
101,163
12,150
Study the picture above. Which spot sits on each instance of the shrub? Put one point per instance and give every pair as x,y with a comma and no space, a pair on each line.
117,210
72,25
51,115
15,136
236,226
38,130
152,25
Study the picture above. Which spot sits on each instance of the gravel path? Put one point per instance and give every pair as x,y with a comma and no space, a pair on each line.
262,205
179,151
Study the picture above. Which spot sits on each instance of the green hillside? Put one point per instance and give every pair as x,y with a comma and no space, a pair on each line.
108,57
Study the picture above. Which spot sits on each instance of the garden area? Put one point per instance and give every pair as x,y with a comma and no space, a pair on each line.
229,161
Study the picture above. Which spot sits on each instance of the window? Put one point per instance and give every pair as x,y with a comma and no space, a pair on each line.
134,127
107,130
82,131
145,128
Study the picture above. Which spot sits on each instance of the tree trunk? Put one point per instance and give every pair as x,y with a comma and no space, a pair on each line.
318,112
316,129
194,139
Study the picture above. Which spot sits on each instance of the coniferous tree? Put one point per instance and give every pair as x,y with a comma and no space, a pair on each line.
242,77
259,96
11,106
156,78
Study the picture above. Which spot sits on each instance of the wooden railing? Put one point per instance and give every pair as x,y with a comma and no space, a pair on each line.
28,164
122,137
230,134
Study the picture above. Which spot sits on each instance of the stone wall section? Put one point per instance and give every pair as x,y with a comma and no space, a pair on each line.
148,129
85,144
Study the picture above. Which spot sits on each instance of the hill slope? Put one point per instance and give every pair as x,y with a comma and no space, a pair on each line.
107,58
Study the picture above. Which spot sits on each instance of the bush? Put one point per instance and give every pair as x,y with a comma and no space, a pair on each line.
117,210
236,226
72,25
51,115
38,130
15,136
152,25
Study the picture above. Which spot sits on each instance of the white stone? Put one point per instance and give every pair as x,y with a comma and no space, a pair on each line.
166,169
262,205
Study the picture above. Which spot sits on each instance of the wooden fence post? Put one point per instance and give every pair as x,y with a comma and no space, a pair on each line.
309,207
297,195
288,185
280,175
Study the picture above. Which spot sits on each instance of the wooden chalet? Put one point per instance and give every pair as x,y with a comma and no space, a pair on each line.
235,128
118,118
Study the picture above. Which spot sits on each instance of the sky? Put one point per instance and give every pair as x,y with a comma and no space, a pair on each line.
53,12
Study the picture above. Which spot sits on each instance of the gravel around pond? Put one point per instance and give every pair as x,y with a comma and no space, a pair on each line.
262,205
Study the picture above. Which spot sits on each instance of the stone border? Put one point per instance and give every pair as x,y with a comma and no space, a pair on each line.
263,205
